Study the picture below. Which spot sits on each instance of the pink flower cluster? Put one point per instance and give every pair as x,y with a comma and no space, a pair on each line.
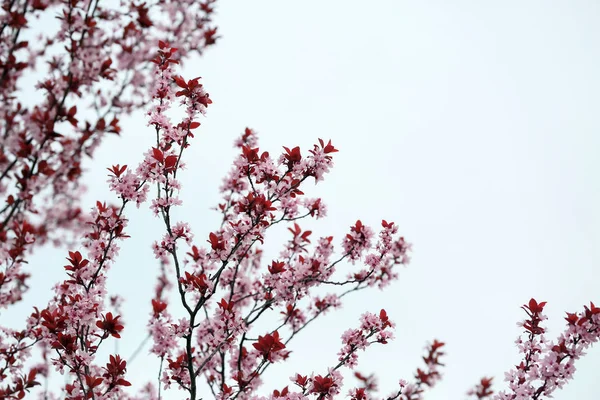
358,339
549,365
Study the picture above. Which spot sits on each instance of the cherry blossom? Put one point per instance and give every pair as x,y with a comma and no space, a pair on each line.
235,311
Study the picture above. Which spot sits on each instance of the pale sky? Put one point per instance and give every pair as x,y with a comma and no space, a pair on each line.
471,124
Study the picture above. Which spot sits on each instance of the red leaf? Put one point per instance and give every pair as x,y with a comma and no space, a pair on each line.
180,82
157,154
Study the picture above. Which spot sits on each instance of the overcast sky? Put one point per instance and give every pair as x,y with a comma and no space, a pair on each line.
472,124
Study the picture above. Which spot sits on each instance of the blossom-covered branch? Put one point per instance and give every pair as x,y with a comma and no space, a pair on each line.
234,313
102,74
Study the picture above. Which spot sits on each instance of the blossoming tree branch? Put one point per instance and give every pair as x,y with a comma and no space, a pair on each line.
98,66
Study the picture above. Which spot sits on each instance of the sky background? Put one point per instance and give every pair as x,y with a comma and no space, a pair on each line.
473,125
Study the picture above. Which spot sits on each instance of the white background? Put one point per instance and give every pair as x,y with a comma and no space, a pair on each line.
473,125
